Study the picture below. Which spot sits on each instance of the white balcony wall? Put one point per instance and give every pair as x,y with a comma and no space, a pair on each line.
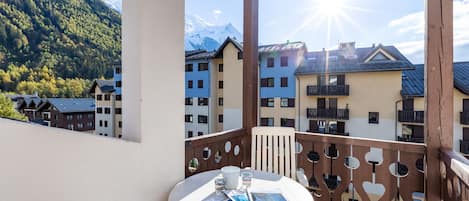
49,164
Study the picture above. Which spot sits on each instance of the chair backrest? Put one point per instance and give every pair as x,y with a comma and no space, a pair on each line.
273,150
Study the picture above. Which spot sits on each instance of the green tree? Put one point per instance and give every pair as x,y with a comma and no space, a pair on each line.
7,109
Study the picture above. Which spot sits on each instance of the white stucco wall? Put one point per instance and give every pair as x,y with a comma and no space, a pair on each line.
49,164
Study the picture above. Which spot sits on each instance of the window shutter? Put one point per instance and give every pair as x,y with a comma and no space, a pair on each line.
291,102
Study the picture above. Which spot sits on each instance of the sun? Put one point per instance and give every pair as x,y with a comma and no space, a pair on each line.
330,8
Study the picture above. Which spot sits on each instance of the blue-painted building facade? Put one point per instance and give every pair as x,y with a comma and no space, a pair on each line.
293,53
118,78
197,74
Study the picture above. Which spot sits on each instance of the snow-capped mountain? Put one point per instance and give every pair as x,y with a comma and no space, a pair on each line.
114,4
200,34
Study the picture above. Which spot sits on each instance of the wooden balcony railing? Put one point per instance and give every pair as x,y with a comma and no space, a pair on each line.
213,151
454,176
411,116
329,113
346,168
328,90
464,117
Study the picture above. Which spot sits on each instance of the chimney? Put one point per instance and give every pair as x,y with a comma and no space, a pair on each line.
373,46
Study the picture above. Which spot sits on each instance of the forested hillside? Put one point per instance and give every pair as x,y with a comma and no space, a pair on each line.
70,38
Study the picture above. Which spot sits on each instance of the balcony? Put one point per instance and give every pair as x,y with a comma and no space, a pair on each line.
329,132
328,90
464,147
338,114
464,117
410,139
411,116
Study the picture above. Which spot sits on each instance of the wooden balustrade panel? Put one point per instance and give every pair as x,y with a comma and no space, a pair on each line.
215,151
346,168
454,176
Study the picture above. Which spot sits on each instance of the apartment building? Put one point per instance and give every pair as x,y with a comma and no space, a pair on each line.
69,113
351,91
277,82
411,109
104,94
118,99
213,85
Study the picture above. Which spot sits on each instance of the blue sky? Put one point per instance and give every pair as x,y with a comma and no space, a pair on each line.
396,22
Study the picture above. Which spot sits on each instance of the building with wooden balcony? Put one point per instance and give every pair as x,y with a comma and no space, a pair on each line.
411,109
349,90
28,105
69,113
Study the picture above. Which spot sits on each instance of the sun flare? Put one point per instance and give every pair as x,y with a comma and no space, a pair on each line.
330,8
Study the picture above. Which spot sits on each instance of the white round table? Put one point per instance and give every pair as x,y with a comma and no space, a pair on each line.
201,186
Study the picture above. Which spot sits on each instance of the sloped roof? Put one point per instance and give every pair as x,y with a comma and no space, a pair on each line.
201,55
27,101
70,105
289,46
192,52
228,40
106,86
315,62
413,83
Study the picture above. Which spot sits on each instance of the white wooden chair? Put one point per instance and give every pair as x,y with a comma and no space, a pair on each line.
273,150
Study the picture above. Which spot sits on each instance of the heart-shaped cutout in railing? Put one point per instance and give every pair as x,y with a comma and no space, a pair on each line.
373,190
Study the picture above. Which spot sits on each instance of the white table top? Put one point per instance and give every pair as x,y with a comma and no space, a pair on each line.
201,186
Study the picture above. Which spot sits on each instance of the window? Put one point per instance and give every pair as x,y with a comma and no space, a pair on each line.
118,70
284,122
107,97
99,97
188,118
190,84
322,80
220,68
99,110
79,116
200,84
90,116
118,84
202,119
220,118
270,62
189,67
373,117
267,121
89,124
267,102
333,80
189,101
69,117
100,123
105,134
200,133
70,126
190,134
240,55
80,125
202,101
118,110
120,124
107,110
105,124
220,101
118,97
284,82
287,102
203,66
284,61
267,82
220,84
120,136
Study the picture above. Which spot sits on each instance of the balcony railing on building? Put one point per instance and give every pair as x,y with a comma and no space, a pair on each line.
328,90
328,113
464,117
411,116
409,138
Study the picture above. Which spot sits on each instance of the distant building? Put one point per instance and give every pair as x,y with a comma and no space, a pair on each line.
105,98
68,113
118,99
17,98
28,105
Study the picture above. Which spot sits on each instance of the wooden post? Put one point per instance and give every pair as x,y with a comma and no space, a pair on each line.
250,71
438,90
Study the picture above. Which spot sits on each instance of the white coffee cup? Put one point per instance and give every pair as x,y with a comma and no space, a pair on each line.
231,176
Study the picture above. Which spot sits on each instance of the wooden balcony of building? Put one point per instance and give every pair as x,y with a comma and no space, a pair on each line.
328,90
327,113
410,116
